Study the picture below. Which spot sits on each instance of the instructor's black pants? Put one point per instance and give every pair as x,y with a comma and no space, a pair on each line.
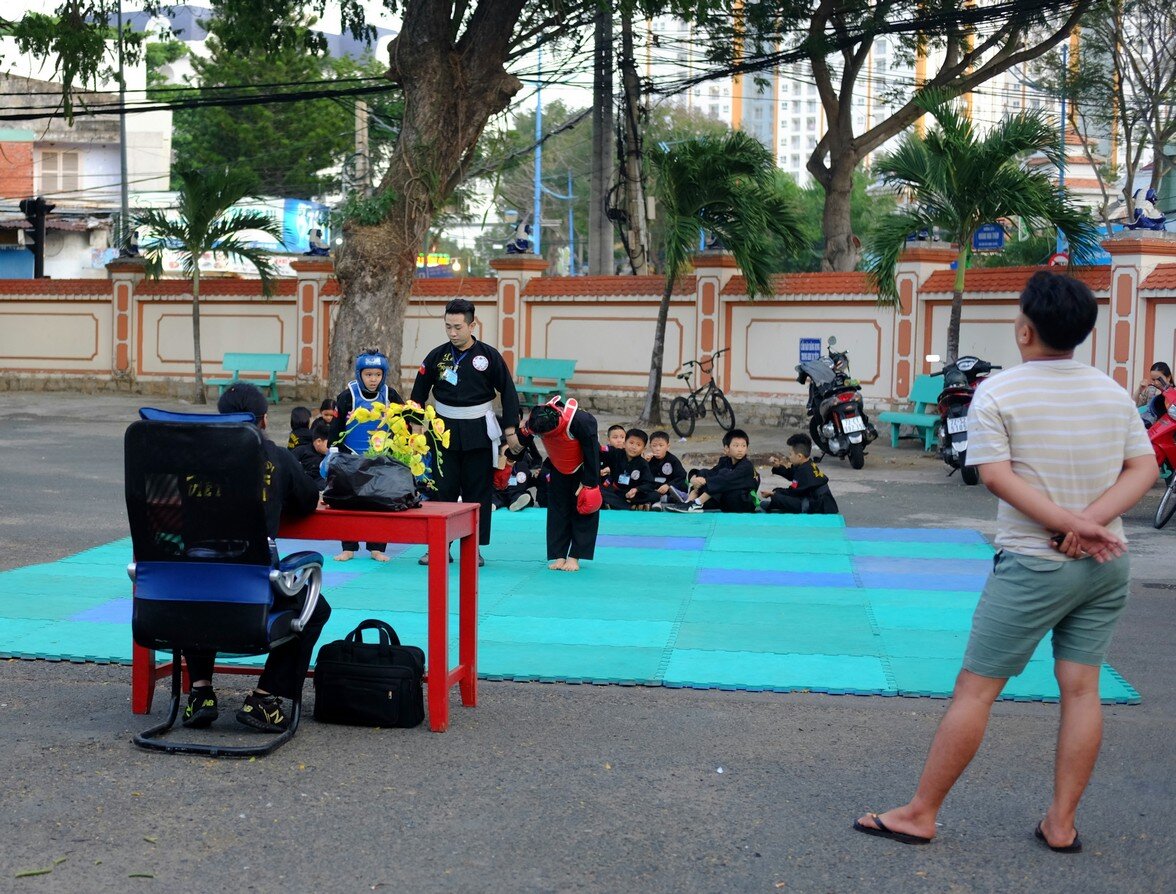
468,474
568,532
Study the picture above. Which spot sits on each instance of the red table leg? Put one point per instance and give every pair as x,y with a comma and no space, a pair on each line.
438,658
467,623
142,678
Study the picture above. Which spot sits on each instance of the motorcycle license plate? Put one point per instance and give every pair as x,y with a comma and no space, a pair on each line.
957,425
853,423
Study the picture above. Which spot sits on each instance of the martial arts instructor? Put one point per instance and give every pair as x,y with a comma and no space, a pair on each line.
464,376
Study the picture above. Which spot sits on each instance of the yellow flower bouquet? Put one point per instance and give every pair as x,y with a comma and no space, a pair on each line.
393,436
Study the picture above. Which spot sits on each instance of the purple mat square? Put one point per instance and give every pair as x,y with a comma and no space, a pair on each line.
626,541
335,578
738,577
881,581
906,565
114,611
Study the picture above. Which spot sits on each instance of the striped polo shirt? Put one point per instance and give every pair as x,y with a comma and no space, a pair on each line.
1067,429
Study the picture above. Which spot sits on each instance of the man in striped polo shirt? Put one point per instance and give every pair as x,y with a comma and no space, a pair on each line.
1063,448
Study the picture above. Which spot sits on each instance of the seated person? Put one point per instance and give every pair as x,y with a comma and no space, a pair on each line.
809,492
727,486
310,456
630,483
299,427
326,411
669,475
616,438
286,489
517,477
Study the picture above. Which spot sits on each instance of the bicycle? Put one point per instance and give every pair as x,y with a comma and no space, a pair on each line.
684,411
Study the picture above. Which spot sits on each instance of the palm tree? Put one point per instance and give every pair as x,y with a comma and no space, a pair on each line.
206,222
726,185
959,181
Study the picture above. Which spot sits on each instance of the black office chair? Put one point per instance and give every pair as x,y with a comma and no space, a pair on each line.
206,574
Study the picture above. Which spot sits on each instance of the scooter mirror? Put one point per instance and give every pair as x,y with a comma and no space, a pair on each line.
932,358
832,340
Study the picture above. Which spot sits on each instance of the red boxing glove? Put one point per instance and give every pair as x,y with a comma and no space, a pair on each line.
588,500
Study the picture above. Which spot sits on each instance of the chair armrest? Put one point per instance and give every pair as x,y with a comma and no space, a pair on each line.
295,572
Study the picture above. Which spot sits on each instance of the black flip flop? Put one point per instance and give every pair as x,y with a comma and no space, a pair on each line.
879,829
1074,847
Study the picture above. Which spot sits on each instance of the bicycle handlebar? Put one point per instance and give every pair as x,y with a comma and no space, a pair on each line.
706,365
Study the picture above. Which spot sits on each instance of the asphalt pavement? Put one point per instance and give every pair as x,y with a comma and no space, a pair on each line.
553,787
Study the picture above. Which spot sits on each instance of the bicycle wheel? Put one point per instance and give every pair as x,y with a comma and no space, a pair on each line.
682,417
1167,505
724,415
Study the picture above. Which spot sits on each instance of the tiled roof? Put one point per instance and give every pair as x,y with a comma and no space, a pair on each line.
552,286
455,287
810,284
55,287
218,286
1012,279
1163,277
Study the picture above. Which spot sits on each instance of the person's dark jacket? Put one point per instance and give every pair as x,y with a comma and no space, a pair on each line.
809,483
287,489
619,465
731,477
668,470
311,461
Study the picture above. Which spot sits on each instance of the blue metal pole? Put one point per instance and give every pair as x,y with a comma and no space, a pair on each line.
536,226
571,228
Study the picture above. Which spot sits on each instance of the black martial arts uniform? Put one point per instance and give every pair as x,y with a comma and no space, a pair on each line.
668,470
730,484
624,475
808,495
570,534
463,379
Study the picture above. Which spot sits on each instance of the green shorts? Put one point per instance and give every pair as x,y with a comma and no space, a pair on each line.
1025,597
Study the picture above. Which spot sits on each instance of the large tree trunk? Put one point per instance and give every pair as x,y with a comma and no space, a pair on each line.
637,240
198,397
451,88
957,300
841,245
651,414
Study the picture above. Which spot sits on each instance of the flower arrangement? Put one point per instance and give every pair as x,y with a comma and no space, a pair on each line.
393,435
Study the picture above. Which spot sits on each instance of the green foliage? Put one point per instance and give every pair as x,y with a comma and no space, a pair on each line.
866,211
1029,252
368,211
160,53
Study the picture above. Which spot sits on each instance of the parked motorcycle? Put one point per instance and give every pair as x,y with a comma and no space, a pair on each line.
959,384
1163,440
838,422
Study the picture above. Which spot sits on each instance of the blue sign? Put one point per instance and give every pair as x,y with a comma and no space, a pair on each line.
810,349
989,237
299,218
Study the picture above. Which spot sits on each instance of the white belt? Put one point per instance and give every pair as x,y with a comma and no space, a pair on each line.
463,412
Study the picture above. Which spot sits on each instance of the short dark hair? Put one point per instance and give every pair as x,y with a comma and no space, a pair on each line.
801,443
614,427
300,417
733,434
320,431
660,435
1062,309
544,418
461,306
636,433
328,404
241,397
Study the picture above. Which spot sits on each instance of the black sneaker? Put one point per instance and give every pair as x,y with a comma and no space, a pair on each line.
263,712
201,709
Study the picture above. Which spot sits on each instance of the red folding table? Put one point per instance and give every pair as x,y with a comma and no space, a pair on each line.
433,524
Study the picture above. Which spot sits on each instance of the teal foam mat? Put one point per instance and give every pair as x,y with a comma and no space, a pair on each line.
704,601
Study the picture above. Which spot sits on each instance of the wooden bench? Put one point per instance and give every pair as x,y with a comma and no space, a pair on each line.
924,415
241,362
532,368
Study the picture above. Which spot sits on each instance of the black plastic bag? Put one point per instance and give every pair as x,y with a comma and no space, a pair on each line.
369,482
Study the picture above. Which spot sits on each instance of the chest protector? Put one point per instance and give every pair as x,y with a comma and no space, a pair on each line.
359,437
563,450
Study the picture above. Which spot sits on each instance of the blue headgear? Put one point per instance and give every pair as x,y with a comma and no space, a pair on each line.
371,360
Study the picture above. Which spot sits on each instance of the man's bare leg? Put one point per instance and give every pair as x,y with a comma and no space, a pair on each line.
955,744
571,564
1079,738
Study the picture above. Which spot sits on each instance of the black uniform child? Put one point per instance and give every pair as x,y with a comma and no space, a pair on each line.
669,475
616,438
728,485
310,456
299,427
464,376
630,483
809,493
286,489
369,386
519,476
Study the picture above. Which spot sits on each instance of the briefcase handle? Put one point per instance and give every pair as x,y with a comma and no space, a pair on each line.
387,634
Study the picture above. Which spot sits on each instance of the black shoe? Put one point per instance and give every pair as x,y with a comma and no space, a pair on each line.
481,561
201,708
424,560
263,712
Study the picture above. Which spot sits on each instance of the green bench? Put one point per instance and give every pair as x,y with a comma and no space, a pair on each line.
924,416
237,363
549,369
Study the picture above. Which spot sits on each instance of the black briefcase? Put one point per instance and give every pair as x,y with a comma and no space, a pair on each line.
369,684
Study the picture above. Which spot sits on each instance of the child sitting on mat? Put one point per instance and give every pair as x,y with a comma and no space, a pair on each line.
729,485
809,492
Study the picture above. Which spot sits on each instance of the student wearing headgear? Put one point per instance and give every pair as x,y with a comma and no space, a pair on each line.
573,491
464,376
369,386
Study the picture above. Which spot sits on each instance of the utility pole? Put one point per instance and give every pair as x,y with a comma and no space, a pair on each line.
600,228
363,169
124,192
638,238
537,210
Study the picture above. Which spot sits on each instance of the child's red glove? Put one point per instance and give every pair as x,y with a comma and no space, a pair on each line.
588,500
